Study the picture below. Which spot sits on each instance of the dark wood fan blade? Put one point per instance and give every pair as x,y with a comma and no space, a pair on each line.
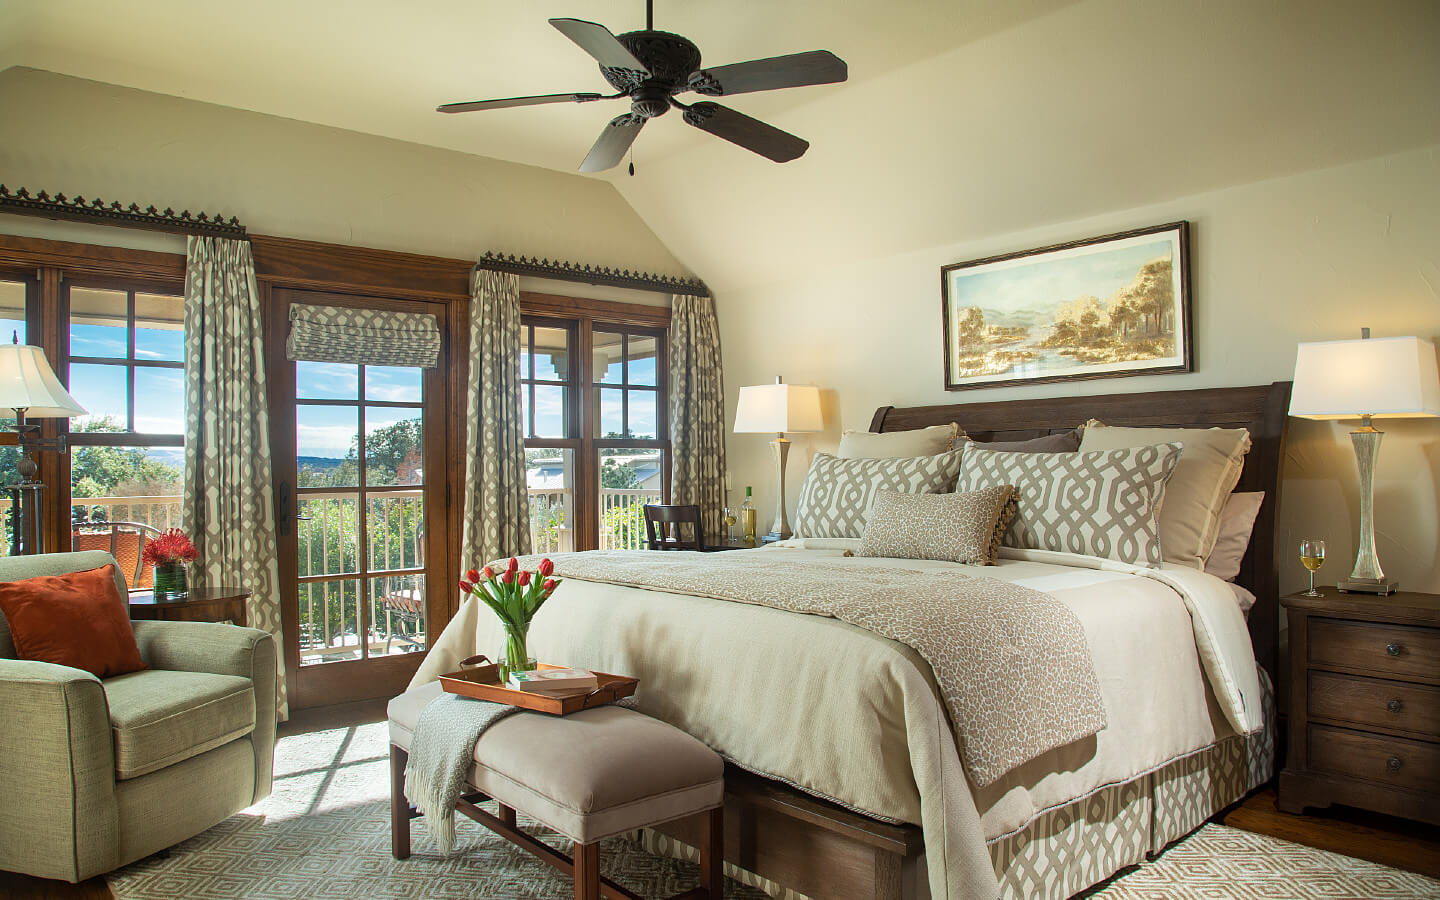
540,100
795,70
610,148
596,40
752,134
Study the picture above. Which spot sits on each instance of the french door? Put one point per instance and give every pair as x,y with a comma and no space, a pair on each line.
360,471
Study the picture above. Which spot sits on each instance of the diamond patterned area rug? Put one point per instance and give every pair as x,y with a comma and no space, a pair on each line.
325,833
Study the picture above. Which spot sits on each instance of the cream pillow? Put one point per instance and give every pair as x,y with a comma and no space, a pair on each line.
918,442
1237,521
1210,463
963,528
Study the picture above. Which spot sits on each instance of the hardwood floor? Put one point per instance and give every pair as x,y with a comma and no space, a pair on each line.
1378,838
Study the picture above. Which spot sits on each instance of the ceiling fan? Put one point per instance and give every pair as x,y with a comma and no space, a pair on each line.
651,67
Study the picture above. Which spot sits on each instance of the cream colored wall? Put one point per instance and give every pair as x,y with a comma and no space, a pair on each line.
293,179
1306,257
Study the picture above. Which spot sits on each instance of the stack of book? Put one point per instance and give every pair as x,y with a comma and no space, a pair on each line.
555,682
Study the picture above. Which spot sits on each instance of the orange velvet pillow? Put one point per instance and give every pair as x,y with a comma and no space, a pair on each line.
79,620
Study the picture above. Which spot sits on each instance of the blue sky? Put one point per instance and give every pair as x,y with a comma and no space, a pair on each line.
330,430
550,400
1015,287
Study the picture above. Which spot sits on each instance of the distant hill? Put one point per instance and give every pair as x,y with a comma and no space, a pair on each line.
318,463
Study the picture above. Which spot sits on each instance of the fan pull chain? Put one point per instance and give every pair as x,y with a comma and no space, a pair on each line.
632,162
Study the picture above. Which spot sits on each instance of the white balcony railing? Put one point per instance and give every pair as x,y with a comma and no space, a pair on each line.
622,519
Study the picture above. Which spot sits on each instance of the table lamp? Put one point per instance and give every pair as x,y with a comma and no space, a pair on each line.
1368,378
28,385
778,408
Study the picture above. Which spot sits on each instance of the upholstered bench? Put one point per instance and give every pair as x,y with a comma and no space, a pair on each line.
590,775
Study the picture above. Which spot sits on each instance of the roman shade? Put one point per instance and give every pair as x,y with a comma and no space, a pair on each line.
373,337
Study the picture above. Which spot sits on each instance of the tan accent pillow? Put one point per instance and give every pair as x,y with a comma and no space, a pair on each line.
1237,521
1210,463
917,442
963,528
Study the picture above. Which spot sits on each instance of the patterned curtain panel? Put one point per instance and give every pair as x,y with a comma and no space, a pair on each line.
697,410
497,503
227,503
374,337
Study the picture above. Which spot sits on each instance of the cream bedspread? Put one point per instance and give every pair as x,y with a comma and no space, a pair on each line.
846,714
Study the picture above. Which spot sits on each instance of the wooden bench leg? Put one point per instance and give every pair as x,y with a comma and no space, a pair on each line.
712,853
507,815
399,806
587,871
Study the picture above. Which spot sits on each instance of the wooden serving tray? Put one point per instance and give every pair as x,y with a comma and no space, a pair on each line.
482,682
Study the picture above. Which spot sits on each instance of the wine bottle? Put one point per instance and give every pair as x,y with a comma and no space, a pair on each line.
747,515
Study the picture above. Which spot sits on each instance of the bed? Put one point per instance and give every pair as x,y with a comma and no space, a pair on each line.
844,780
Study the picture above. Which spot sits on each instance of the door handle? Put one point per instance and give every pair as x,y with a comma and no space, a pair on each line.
284,505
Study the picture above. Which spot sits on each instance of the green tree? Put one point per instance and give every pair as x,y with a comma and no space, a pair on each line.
618,476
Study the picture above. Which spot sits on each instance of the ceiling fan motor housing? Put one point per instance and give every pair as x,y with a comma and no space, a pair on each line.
670,58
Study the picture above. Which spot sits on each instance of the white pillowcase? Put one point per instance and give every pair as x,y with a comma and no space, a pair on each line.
1237,521
916,442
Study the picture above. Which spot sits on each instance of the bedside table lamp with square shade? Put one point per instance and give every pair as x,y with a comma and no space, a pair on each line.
28,386
778,408
1365,379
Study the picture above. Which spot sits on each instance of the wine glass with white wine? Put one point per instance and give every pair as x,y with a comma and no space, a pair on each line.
1312,556
730,520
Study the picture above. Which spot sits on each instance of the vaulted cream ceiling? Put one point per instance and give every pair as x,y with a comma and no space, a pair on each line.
962,118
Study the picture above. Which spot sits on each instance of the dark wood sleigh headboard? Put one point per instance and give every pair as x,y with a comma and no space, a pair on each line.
1261,409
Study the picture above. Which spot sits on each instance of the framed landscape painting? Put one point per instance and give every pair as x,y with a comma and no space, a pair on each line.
1098,308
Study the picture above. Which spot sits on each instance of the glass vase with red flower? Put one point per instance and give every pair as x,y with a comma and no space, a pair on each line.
167,554
515,595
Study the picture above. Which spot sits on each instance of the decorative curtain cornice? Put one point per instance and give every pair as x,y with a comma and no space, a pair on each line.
587,274
97,211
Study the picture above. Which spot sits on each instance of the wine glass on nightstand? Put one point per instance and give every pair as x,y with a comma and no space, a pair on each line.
1312,556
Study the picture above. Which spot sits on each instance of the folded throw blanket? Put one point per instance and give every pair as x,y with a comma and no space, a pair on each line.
441,753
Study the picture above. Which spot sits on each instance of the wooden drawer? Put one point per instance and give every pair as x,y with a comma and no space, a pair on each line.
1374,703
1398,762
1403,651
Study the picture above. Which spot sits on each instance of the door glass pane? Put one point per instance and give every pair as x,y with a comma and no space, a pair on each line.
12,311
550,477
642,416
396,530
393,447
327,381
629,479
9,456
393,384
609,360
159,400
326,443
549,411
101,390
121,498
609,413
159,327
552,354
643,359
327,533
397,614
329,622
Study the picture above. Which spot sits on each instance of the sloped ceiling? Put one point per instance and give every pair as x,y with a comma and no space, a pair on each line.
961,118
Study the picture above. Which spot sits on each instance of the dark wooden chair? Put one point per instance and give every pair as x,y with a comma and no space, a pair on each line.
663,529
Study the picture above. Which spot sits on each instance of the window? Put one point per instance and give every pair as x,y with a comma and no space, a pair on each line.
594,456
125,365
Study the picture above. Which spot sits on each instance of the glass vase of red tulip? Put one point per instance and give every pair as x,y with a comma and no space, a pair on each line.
167,554
515,595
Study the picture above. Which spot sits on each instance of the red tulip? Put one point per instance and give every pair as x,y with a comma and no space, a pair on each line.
546,567
472,576
513,565
508,578
488,573
466,586
550,583
524,578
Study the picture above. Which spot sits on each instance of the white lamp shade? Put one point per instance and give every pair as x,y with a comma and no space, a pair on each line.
778,408
27,382
1394,377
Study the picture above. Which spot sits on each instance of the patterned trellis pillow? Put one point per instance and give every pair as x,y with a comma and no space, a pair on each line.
836,496
1104,503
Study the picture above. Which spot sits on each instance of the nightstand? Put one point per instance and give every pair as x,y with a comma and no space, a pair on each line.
217,604
1364,703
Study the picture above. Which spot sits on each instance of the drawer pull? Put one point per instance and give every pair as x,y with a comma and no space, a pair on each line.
1393,649
1393,706
1394,763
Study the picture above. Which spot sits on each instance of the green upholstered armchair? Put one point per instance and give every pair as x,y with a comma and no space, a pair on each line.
97,774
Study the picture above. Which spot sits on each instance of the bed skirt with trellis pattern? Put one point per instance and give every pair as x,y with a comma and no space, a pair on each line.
1070,848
